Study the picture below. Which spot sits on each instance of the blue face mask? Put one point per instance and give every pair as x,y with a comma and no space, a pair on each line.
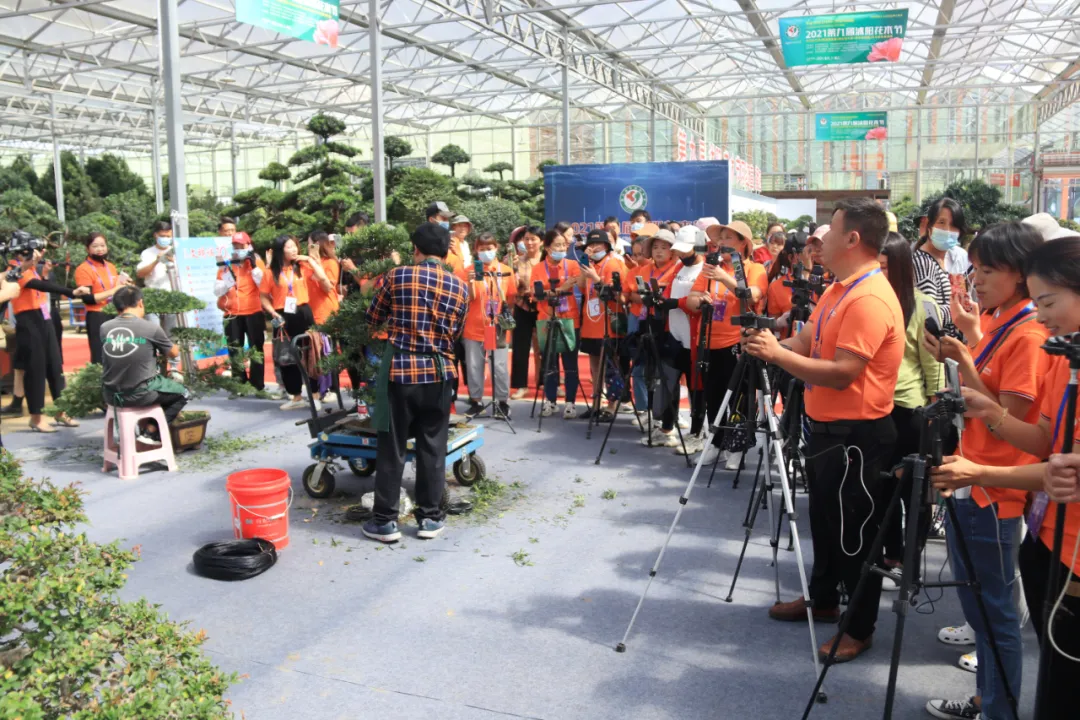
486,256
636,226
598,256
444,224
521,248
944,240
164,242
557,256
241,254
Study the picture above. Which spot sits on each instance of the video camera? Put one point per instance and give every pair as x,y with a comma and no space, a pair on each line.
746,319
551,296
22,245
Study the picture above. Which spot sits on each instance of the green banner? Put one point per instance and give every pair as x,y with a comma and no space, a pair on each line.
851,126
312,20
844,38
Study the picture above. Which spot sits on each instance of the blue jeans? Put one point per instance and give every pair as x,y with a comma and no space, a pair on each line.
637,375
570,369
995,569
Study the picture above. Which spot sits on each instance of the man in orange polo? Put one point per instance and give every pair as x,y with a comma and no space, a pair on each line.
848,354
237,290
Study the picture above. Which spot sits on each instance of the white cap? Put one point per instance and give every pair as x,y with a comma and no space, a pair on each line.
1048,227
819,232
687,239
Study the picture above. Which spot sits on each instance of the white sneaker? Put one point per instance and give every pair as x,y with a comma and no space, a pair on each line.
330,398
548,409
694,444
569,411
960,635
969,662
641,421
684,424
732,461
709,454
294,405
661,439
318,405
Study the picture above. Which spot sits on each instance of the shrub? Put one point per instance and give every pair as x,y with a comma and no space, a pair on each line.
70,647
494,215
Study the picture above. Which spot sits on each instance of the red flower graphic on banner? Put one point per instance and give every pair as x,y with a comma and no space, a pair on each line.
326,33
878,133
886,50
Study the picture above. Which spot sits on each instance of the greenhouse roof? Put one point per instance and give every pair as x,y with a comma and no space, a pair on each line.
483,63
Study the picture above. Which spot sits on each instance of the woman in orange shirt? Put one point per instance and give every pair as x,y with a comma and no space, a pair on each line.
660,265
558,275
323,297
285,298
716,286
1004,367
600,317
529,247
782,270
1053,279
104,280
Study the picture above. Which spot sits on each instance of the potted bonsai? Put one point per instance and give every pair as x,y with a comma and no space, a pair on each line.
188,430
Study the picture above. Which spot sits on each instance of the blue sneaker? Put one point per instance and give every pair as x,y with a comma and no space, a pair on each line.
387,532
430,528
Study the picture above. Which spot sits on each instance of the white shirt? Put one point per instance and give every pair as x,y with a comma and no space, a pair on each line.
159,276
680,288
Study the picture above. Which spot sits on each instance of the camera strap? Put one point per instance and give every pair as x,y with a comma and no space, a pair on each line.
1024,316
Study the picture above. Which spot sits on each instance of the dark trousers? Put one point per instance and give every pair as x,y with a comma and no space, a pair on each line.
670,414
461,365
907,443
722,362
58,328
171,404
296,324
839,502
422,413
94,320
521,343
253,328
1064,679
38,343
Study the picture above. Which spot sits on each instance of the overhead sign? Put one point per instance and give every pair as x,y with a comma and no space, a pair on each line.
312,20
851,126
584,195
844,38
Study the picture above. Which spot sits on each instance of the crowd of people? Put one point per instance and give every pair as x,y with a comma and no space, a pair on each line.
661,314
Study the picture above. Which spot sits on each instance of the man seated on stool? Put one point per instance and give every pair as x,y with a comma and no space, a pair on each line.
130,372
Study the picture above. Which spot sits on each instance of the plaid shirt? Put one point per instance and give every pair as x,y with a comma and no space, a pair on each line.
423,307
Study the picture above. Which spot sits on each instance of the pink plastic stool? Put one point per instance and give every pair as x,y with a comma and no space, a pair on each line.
127,457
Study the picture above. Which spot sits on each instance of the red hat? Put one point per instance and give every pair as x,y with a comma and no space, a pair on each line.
241,237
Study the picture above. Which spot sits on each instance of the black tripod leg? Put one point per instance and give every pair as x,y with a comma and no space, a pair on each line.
550,359
598,385
756,500
607,434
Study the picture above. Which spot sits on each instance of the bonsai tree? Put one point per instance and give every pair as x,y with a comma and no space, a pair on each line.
451,156
499,167
330,193
112,176
276,173
545,164
415,189
81,195
69,646
395,147
20,175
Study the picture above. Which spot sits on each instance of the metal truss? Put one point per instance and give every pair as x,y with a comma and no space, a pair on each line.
469,64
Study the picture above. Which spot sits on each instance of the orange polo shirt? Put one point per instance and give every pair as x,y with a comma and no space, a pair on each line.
243,297
778,298
726,305
99,277
862,317
1015,366
278,291
592,322
648,271
28,299
478,316
1050,399
324,304
568,304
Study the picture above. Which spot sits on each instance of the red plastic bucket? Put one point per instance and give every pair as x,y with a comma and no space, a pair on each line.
260,504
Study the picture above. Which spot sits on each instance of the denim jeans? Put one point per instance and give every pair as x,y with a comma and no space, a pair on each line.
570,371
995,569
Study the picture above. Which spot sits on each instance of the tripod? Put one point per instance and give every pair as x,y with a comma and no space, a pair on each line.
746,364
496,413
550,358
935,419
598,382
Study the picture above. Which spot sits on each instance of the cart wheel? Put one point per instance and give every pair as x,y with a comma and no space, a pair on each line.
318,484
361,467
469,469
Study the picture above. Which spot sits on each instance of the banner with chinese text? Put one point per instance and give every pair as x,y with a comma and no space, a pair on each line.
843,38
312,20
851,126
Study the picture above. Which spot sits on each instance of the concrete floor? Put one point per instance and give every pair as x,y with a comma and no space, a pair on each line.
455,628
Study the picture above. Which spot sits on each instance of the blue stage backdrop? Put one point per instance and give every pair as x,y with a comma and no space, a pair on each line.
683,191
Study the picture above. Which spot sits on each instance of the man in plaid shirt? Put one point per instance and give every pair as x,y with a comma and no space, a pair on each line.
423,307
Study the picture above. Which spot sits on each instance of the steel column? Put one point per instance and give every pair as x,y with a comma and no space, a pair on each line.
234,152
58,173
155,158
566,99
168,24
378,166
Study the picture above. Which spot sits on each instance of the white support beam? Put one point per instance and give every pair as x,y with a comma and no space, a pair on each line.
944,18
174,123
378,162
58,173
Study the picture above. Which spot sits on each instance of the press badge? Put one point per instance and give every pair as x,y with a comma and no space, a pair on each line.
594,308
719,310
492,308
564,304
290,305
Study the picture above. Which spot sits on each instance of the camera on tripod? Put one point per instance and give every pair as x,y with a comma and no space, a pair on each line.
610,293
651,295
22,245
747,319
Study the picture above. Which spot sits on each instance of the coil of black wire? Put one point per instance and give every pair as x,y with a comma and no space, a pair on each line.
235,559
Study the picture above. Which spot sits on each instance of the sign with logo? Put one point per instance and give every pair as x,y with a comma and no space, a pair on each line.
633,197
121,342
196,270
584,195
843,38
312,20
851,126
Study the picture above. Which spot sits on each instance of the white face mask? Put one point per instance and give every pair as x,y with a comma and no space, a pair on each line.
636,226
521,248
486,256
598,256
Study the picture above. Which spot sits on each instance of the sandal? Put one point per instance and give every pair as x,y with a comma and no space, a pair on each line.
66,421
42,429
